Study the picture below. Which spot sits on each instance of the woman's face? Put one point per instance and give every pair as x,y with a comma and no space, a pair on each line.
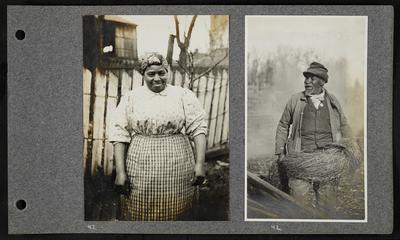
156,77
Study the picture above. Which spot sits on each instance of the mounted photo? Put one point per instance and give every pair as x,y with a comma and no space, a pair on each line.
306,91
156,117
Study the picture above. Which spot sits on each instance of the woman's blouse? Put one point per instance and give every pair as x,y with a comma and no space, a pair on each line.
141,111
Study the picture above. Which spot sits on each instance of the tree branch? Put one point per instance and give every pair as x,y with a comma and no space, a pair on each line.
178,39
187,39
183,68
211,68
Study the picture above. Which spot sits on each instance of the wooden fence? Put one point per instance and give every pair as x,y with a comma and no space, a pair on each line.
102,91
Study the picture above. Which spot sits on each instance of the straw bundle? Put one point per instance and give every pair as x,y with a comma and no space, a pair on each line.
323,165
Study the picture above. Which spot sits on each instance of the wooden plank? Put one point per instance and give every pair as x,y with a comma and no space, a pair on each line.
126,82
195,88
186,81
178,78
87,81
173,77
97,152
98,117
137,79
214,111
86,109
112,84
202,89
170,76
221,103
225,131
209,97
111,105
100,84
108,158
84,156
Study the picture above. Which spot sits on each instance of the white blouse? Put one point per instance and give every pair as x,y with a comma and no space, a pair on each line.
141,111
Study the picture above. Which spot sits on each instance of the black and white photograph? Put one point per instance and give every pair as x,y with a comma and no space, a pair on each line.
156,117
306,118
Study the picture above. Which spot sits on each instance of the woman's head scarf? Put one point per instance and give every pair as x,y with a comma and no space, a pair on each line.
152,59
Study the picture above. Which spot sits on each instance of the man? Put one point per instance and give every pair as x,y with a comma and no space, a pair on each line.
315,119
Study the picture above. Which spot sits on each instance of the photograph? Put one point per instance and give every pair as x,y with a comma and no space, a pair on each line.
156,117
306,82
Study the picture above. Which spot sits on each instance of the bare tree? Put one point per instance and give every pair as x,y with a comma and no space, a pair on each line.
184,46
186,57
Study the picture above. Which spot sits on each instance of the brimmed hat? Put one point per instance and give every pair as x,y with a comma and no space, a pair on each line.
152,59
318,70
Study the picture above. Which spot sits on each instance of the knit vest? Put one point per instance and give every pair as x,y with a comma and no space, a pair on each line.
315,127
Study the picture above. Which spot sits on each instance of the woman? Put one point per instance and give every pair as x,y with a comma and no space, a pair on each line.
155,123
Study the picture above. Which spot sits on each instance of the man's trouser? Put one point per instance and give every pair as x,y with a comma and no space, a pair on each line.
314,195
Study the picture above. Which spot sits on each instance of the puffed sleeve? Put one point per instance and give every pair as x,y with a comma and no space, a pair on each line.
118,125
195,116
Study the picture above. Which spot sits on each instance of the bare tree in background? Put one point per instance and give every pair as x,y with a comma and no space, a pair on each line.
186,57
184,46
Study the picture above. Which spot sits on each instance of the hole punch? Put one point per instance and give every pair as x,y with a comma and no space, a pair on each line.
21,204
20,34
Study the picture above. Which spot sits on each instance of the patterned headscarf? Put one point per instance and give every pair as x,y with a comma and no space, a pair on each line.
152,59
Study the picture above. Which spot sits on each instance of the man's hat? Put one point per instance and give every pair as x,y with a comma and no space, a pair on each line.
318,70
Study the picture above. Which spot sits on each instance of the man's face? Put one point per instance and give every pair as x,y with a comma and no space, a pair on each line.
313,84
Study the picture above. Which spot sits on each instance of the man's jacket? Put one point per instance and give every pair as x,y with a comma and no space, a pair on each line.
293,116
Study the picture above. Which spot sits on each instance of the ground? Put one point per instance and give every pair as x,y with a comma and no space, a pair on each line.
350,201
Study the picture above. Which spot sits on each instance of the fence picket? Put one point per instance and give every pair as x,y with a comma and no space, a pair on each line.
87,81
86,107
178,78
137,79
208,95
221,103
97,151
100,84
98,118
225,130
126,82
214,111
202,89
108,158
112,84
85,142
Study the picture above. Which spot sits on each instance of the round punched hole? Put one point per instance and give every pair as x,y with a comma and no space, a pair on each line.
20,34
20,204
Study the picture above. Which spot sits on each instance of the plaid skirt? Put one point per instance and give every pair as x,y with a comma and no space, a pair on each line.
160,169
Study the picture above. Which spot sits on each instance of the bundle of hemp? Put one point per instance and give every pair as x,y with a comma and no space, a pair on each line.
324,165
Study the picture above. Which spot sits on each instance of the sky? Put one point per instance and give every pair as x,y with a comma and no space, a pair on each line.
332,37
153,32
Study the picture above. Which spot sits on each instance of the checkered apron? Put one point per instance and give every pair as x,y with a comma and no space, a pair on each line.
159,169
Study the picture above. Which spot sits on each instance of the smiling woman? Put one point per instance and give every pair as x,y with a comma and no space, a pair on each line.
156,121
156,128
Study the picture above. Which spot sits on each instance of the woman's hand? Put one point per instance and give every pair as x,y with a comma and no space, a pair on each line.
119,155
120,179
281,157
200,152
199,170
199,174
